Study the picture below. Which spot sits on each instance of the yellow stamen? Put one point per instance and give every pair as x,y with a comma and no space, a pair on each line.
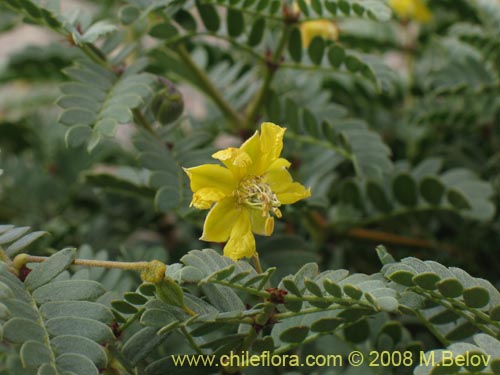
253,192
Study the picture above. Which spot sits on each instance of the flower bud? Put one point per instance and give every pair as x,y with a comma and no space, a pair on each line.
167,104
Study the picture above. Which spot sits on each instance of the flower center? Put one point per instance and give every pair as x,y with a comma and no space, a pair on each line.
254,192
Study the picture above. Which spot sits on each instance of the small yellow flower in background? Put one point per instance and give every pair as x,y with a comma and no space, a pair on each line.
324,28
411,9
247,192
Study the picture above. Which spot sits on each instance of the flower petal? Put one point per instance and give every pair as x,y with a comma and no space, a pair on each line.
252,147
262,225
241,241
211,176
280,163
293,193
271,143
279,179
237,160
220,220
205,197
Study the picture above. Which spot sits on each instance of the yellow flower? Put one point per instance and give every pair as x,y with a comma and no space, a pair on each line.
323,28
411,9
247,191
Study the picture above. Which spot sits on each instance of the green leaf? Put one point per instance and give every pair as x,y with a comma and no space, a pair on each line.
458,200
316,50
81,327
77,135
291,286
295,45
444,317
34,354
80,345
353,291
208,15
336,55
128,14
313,288
76,364
167,198
332,288
316,5
451,288
294,334
310,123
13,234
495,313
344,6
426,280
19,330
353,63
405,190
163,31
432,190
378,197
476,297
46,271
357,332
123,307
83,309
170,292
135,298
185,20
402,277
68,290
304,8
326,324
257,32
235,22
23,242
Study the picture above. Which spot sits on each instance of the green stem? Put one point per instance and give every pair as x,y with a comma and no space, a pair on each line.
209,88
338,301
134,266
445,342
256,262
312,310
118,356
190,339
142,121
94,56
272,66
255,292
461,309
131,320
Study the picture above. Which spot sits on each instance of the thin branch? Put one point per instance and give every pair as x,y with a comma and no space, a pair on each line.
272,66
209,87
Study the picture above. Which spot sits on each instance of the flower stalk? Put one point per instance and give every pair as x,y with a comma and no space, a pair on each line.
152,271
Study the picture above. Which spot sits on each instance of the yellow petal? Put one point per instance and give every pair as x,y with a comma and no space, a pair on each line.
220,220
241,242
237,160
279,179
252,147
280,163
293,193
271,141
422,13
211,176
323,28
205,197
262,225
